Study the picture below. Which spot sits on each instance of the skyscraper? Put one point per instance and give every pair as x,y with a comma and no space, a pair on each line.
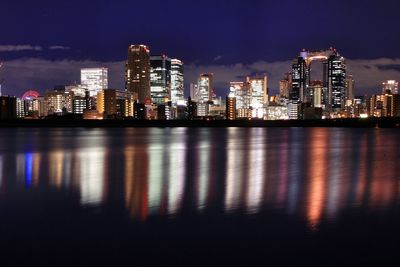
390,85
205,87
160,79
259,95
177,81
350,84
137,72
94,79
334,78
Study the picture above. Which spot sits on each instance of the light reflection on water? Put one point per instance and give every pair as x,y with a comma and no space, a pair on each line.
314,173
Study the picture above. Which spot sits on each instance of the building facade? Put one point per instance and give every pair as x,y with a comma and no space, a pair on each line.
160,79
177,82
137,72
94,80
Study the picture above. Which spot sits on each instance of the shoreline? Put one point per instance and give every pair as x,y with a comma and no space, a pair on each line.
393,122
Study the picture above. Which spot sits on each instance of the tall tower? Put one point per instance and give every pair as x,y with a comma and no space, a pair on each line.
137,72
160,79
334,78
205,87
337,81
177,81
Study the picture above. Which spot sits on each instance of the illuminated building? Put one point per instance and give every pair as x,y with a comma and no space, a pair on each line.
390,86
284,86
316,89
107,103
125,104
94,79
137,72
194,91
20,108
242,92
160,79
259,95
79,104
8,107
32,103
350,87
334,78
191,109
58,102
205,86
293,110
277,113
177,81
231,107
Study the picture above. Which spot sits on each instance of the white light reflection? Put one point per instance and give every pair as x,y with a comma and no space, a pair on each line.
334,175
204,171
156,151
256,169
91,161
176,170
234,171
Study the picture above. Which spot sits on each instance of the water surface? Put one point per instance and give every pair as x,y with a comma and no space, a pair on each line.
200,196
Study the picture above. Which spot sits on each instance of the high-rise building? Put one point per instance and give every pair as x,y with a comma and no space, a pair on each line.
350,87
334,78
137,72
231,107
205,87
390,86
177,82
107,103
194,91
284,85
316,89
94,79
259,95
242,93
160,79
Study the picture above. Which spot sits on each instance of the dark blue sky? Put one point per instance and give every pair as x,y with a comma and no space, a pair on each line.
200,32
239,31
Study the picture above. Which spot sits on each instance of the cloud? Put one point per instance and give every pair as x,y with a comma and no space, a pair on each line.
17,48
59,47
217,58
42,74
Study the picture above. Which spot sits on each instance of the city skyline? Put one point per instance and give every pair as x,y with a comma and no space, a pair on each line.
236,40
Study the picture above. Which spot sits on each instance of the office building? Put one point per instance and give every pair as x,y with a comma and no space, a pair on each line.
284,86
94,80
259,95
204,87
177,82
160,79
137,72
350,87
334,78
107,103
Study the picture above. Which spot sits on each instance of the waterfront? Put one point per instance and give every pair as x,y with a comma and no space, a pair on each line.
200,195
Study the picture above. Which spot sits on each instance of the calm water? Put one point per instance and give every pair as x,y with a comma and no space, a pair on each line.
186,196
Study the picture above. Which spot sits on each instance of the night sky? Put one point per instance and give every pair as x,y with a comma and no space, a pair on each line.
44,43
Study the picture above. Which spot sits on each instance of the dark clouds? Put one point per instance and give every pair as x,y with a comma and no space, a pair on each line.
43,74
